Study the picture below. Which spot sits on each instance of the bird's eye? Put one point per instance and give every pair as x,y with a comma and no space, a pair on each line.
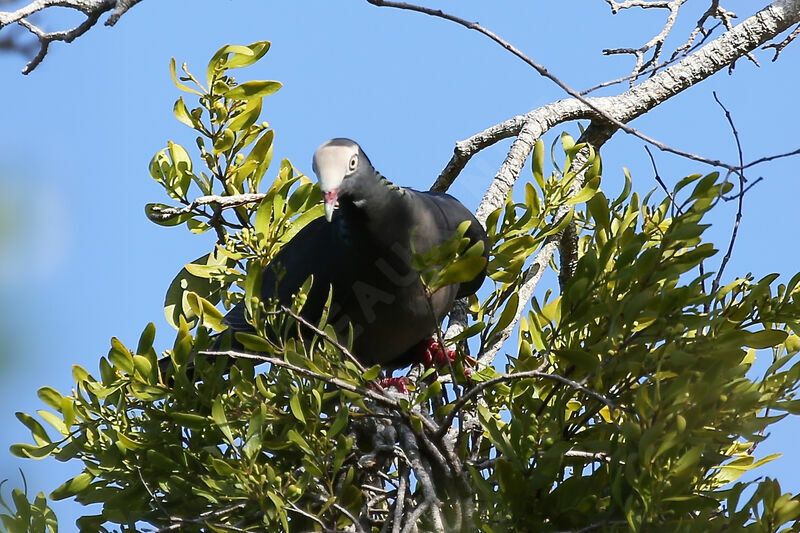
353,163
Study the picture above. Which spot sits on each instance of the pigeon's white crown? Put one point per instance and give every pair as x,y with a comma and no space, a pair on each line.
332,163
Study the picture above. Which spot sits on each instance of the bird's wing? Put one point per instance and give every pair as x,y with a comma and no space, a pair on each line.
438,216
314,250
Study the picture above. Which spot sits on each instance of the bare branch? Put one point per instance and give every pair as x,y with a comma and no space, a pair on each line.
784,43
399,501
220,202
93,9
649,70
657,42
618,110
771,158
594,110
595,135
503,378
179,523
673,204
425,478
344,385
740,204
327,337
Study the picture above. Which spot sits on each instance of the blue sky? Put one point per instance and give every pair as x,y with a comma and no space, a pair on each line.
80,262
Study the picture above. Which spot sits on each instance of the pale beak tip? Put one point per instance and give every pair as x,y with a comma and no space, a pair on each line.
330,199
329,207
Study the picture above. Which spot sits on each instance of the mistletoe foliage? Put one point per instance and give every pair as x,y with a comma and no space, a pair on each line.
633,400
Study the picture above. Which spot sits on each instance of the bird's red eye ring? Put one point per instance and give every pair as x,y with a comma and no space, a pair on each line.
353,163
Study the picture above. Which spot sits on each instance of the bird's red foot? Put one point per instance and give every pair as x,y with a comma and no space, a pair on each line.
430,353
401,383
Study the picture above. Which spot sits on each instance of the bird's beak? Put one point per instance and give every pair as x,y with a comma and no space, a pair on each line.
331,198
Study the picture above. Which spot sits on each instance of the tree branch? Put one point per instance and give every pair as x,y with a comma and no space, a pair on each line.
618,110
740,203
784,43
595,135
656,43
367,393
480,387
93,9
221,202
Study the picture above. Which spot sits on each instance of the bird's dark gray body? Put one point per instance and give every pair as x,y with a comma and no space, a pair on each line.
364,255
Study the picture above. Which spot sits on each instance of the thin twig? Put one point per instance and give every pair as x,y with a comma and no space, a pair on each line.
652,69
325,336
770,158
544,72
480,387
373,395
150,492
657,42
674,204
179,523
784,43
93,9
296,509
740,202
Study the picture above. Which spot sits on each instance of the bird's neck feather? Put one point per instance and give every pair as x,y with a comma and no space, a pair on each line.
371,205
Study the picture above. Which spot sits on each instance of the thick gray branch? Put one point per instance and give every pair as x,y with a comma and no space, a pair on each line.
714,56
743,38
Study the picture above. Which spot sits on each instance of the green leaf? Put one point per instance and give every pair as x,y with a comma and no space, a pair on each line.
340,422
235,56
584,360
460,271
372,373
210,316
766,338
586,193
537,163
470,331
248,56
247,117
31,451
36,429
177,83
79,374
72,487
507,316
182,113
54,421
189,420
51,397
687,461
253,343
146,339
253,89
296,408
128,442
224,141
258,160
175,301
219,418
120,356
252,285
296,438
434,389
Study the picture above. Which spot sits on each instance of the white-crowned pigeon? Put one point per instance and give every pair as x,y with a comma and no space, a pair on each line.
361,250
